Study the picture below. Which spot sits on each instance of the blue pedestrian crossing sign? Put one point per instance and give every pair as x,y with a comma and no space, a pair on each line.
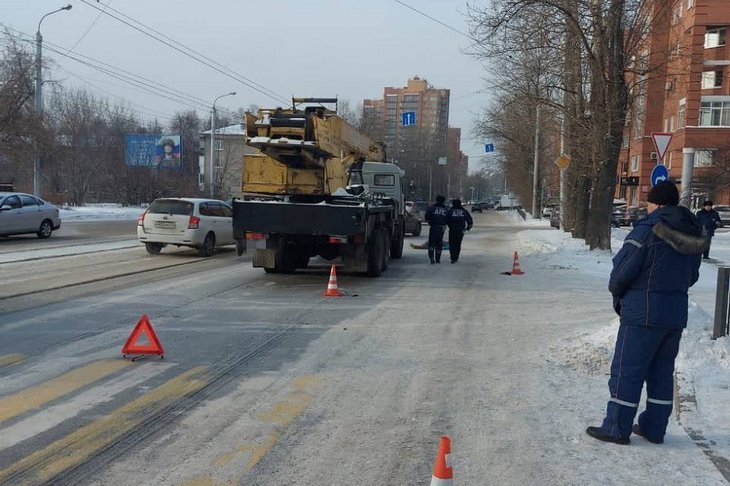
409,118
659,174
488,147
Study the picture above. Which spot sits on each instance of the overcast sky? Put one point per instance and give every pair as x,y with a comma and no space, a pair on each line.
345,48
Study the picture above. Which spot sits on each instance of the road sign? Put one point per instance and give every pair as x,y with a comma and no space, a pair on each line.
563,161
409,118
489,147
659,174
661,142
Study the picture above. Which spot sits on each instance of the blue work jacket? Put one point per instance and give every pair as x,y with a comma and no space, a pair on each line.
658,263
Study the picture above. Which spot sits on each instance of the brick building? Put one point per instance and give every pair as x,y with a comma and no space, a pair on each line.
418,147
687,94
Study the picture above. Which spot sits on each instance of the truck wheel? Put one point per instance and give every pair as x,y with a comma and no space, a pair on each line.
385,241
285,258
375,254
396,246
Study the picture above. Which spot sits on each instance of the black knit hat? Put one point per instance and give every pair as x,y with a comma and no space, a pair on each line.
664,193
708,203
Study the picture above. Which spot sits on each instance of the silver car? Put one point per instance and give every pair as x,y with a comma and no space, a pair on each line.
22,213
198,223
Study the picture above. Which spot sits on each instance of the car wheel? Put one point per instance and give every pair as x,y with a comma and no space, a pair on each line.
153,248
417,231
45,230
208,246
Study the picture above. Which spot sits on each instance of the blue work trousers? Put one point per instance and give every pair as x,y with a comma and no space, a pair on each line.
435,242
642,354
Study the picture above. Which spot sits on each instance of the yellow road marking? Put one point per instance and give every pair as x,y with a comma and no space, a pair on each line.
9,359
78,446
23,401
281,416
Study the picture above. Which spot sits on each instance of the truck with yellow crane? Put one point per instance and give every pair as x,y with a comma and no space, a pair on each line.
317,186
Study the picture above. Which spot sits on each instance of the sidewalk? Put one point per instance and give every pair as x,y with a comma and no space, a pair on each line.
702,398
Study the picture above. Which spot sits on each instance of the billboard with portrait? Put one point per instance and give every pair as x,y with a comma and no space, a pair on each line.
153,150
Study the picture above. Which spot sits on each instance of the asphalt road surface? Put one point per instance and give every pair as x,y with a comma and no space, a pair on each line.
266,382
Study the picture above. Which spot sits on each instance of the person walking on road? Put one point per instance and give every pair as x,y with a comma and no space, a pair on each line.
710,219
436,217
458,220
659,261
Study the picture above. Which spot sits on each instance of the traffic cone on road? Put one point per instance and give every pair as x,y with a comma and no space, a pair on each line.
516,266
332,290
443,475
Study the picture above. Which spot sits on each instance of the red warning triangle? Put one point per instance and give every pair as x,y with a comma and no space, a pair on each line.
150,344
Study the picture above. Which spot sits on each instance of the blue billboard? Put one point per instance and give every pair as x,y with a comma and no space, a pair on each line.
156,150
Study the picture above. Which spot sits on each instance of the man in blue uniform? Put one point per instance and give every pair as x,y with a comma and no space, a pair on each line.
458,220
659,261
710,219
436,218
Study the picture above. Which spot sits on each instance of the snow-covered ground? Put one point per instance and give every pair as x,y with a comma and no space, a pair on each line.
99,212
702,366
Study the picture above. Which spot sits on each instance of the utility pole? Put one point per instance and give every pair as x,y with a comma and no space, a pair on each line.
535,209
39,98
688,163
212,143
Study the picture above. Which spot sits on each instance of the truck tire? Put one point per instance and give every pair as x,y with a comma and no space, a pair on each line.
385,239
396,246
375,253
284,260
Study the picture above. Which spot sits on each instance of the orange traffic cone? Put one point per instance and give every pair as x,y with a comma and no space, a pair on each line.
332,290
516,266
443,475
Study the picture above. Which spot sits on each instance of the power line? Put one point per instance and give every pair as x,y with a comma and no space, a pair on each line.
435,20
137,81
172,43
90,27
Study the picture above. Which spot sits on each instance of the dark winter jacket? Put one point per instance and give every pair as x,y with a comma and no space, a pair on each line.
436,215
658,263
459,219
710,220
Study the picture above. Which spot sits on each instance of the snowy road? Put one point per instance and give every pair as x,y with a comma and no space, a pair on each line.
265,382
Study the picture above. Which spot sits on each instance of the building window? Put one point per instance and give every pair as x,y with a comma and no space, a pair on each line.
635,163
218,144
715,37
690,4
715,114
705,157
682,115
625,143
711,79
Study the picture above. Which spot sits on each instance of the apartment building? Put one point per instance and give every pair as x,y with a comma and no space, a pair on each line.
686,93
427,148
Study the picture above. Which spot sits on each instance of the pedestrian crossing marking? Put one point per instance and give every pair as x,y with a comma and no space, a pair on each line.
35,397
10,359
77,447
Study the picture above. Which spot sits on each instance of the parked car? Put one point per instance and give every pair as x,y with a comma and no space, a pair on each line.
724,212
413,224
420,208
548,210
197,223
555,217
637,214
22,213
476,208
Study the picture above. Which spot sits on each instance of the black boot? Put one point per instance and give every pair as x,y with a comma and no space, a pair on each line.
637,430
598,433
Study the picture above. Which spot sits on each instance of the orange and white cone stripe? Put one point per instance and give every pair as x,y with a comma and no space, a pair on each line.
443,474
332,290
516,266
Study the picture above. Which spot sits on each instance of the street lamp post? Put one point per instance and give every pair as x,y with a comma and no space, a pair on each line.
212,142
39,98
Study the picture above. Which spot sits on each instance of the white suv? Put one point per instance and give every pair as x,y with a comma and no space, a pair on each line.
198,223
